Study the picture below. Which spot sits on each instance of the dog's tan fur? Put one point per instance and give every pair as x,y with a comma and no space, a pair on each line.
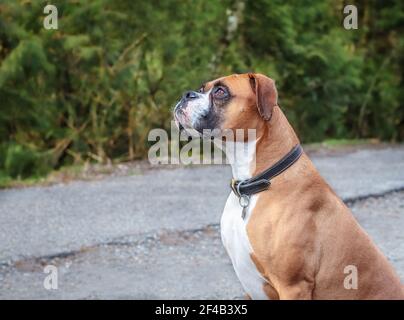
302,234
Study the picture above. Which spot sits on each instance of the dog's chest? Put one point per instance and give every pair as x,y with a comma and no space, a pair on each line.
237,244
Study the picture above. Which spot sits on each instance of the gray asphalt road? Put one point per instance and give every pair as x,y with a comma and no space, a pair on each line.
155,235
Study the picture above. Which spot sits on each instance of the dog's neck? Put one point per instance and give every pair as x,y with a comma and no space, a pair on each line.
274,139
241,157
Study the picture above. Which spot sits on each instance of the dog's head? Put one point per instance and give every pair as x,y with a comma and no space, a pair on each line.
238,101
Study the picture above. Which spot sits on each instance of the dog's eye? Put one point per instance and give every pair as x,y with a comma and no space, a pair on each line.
219,92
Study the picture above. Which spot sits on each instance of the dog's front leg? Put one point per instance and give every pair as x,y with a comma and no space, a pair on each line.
302,290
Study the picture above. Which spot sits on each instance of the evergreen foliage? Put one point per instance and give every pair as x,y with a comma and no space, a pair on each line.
93,89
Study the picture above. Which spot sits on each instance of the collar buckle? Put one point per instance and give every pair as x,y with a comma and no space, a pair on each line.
234,186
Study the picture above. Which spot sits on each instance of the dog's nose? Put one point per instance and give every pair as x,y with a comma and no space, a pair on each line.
189,95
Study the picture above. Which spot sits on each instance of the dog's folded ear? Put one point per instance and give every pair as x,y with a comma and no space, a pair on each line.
266,94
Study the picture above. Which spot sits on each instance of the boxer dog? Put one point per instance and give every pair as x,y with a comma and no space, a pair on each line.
289,236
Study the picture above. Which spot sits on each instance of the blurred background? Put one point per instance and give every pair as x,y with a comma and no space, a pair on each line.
91,90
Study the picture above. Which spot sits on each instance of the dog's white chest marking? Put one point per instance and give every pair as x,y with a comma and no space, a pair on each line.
233,226
237,244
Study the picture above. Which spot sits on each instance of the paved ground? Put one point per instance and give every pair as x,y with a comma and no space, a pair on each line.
155,235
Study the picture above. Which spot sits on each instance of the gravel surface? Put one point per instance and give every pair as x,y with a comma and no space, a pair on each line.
155,235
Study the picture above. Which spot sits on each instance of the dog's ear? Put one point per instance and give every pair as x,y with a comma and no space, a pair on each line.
266,94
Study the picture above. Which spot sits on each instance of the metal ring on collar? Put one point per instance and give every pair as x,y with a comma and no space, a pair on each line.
243,199
238,189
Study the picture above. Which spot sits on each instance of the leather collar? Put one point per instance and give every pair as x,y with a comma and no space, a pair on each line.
261,182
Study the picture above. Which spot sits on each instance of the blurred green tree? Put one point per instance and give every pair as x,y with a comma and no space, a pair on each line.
92,90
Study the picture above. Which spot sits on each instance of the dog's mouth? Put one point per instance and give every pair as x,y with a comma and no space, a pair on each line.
178,117
183,122
177,121
195,119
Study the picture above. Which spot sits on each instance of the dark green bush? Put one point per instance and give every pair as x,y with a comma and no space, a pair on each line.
22,162
93,89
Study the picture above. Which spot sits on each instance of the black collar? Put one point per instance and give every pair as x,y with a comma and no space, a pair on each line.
261,182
